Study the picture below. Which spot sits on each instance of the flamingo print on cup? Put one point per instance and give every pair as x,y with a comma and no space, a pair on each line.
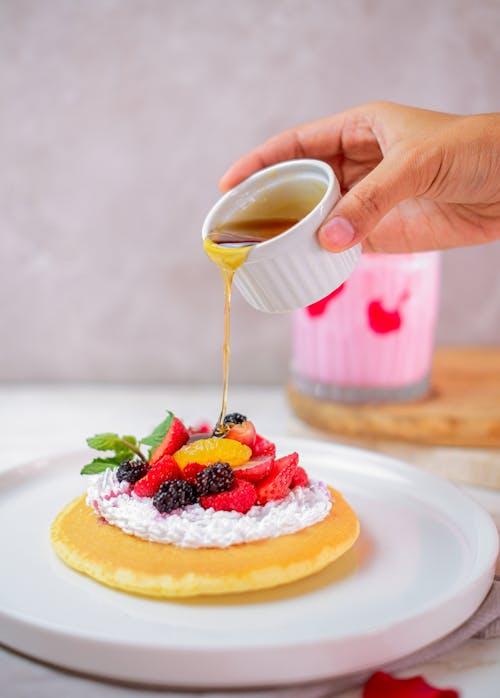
383,321
372,339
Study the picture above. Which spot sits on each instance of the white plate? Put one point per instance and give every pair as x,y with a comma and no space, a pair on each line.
422,565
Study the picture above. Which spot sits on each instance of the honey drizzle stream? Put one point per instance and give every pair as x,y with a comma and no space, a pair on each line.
228,259
229,243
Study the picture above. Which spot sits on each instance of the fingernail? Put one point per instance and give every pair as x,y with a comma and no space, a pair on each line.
337,232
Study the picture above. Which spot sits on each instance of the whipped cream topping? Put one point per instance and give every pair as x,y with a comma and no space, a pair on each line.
195,527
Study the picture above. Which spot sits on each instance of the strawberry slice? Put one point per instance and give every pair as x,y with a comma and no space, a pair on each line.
256,469
240,498
244,433
300,478
263,447
164,469
292,459
277,484
174,439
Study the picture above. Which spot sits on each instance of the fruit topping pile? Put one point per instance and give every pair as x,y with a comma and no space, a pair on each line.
188,466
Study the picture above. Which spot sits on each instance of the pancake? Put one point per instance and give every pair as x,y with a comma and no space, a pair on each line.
122,561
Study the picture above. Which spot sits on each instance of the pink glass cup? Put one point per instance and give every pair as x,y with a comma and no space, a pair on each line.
372,339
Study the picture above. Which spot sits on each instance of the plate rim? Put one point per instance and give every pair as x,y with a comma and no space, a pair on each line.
303,444
478,579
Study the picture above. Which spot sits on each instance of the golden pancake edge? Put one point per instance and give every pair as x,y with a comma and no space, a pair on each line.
122,561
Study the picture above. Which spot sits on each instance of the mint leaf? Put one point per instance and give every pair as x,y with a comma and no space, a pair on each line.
123,446
121,449
98,465
104,442
158,434
130,439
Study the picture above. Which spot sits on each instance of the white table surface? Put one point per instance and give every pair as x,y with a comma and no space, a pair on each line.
46,419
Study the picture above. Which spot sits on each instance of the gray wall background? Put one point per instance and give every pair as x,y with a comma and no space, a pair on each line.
117,118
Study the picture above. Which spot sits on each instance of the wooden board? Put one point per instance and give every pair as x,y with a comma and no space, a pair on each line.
463,408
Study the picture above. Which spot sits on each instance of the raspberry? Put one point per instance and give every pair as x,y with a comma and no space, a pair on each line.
300,478
131,471
174,494
218,477
277,484
164,469
240,498
263,447
191,471
234,418
176,436
256,469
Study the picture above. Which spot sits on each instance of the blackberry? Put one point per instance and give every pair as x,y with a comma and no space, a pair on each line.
131,471
234,418
174,494
215,478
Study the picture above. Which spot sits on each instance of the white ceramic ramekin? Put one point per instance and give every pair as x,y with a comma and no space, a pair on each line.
291,270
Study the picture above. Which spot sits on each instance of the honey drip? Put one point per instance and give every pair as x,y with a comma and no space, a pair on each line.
228,259
252,230
229,243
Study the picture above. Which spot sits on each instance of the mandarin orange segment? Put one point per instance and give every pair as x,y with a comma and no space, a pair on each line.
212,450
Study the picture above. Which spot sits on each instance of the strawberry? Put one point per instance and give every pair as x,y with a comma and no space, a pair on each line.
176,436
191,471
255,469
244,433
201,428
277,484
300,478
284,461
240,498
163,470
263,447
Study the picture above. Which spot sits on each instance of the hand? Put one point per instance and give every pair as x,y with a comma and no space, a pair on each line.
411,179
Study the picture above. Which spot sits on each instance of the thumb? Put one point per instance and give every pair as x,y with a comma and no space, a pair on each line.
357,213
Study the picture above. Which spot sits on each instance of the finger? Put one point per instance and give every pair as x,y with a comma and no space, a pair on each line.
285,146
318,139
396,178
